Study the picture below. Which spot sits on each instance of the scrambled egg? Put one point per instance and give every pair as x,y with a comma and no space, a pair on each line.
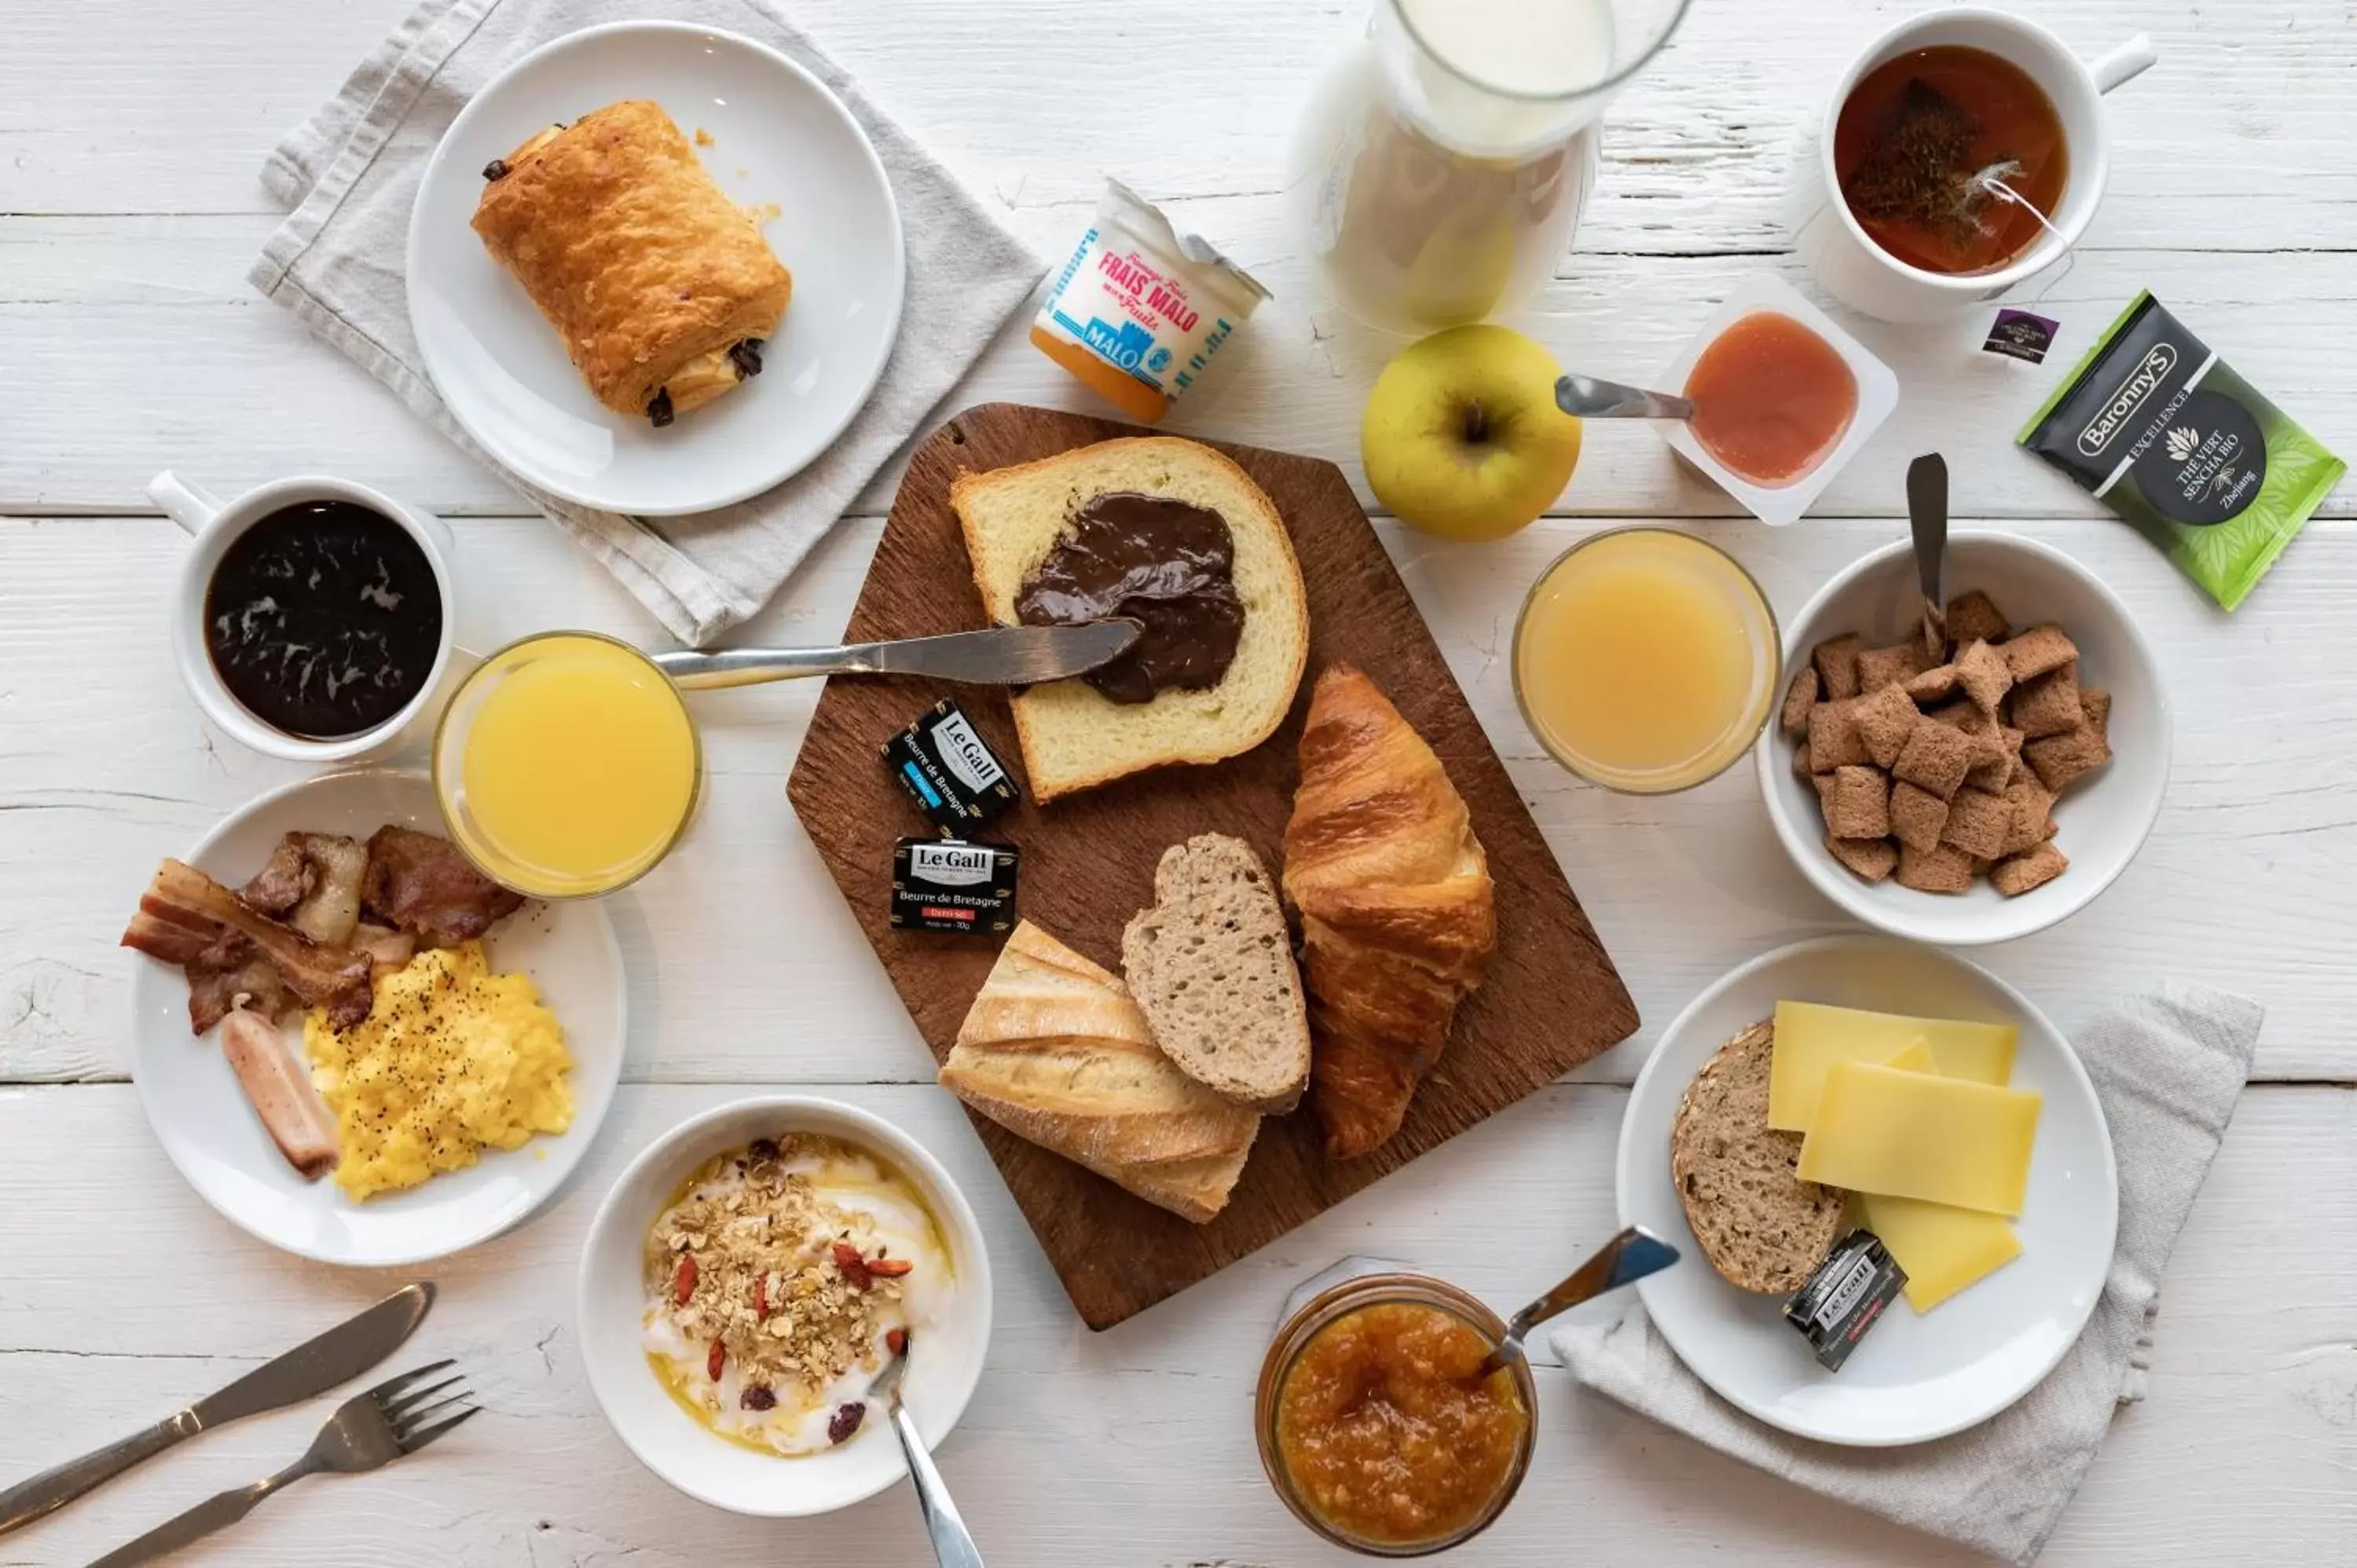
451,1060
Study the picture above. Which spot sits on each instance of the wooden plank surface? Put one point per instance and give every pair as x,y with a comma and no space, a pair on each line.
1550,998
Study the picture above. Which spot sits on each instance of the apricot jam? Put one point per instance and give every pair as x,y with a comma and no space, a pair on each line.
1385,1433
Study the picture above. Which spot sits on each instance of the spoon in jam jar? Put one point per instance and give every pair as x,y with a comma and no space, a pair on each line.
1624,1260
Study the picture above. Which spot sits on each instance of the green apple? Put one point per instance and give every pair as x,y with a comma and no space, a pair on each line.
1462,437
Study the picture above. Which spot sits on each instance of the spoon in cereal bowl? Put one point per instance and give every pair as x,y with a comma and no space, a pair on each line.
952,1547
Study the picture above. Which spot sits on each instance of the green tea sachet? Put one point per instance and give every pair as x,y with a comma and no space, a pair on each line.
2157,427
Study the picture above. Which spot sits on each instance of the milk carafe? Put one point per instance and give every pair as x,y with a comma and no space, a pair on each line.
1444,159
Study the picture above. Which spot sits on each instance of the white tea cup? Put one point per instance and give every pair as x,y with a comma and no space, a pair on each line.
1865,276
214,525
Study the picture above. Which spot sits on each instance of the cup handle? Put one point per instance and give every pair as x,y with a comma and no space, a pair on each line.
2126,63
192,507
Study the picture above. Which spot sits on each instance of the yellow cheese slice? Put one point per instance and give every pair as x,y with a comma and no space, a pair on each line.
1942,1248
1880,1130
1916,1057
1810,1037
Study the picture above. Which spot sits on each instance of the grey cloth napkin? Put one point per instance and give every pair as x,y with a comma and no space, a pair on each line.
351,175
2167,1067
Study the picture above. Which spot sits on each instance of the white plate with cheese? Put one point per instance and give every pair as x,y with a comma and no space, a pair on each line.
1914,1376
206,1124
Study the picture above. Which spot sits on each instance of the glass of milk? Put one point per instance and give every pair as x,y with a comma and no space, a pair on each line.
1444,158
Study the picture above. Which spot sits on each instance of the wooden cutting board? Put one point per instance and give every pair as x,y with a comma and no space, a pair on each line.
1552,999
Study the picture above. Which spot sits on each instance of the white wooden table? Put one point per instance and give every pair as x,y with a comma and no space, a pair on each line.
130,134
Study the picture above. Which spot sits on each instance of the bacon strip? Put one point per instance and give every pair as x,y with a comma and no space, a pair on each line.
182,903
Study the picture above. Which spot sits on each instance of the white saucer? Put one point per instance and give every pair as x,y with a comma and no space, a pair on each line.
778,136
1913,1378
205,1123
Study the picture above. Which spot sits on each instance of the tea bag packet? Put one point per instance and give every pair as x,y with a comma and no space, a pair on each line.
2161,430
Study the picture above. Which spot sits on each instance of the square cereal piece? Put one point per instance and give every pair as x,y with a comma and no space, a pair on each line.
1936,684
1824,787
2056,759
1996,776
1881,667
2049,704
1836,662
1859,807
2096,704
1872,859
1883,723
2032,808
2032,868
1943,868
1799,698
1935,759
1966,717
1983,674
1977,823
1834,740
1801,768
2037,651
1973,617
1917,816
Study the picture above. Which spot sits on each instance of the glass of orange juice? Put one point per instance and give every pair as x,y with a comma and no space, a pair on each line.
567,766
1646,660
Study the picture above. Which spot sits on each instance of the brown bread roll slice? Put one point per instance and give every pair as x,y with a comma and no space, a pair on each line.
1212,964
1760,1224
1055,1050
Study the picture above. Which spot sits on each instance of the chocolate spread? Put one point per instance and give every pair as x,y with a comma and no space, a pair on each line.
1167,564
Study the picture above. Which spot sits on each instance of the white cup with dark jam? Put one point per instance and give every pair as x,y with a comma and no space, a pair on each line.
313,617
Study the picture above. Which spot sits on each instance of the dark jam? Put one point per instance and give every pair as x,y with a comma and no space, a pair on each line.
1167,564
323,619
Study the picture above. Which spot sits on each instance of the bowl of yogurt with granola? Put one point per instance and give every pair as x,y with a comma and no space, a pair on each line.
748,1278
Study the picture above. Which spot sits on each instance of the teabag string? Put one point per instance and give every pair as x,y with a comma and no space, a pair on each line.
1991,182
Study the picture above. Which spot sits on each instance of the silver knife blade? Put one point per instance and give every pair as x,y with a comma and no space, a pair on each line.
314,1366
1010,655
1000,656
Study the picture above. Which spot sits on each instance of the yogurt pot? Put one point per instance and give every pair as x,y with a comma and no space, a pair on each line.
1139,309
1877,394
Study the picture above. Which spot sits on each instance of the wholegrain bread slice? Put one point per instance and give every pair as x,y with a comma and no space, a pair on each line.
1211,965
1760,1224
1073,736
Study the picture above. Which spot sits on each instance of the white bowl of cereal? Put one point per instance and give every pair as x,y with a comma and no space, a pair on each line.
2059,723
746,1279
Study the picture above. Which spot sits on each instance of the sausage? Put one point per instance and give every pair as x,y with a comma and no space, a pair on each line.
281,1092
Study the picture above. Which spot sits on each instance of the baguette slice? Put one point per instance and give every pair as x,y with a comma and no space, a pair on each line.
1055,1051
1211,965
1760,1224
1073,736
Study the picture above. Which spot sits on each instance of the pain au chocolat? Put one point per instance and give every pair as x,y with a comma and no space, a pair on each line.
662,289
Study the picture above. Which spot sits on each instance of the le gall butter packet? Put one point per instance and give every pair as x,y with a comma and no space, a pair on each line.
2160,428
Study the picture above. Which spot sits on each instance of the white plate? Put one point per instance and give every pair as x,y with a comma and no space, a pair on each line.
205,1123
2105,817
778,136
1913,1378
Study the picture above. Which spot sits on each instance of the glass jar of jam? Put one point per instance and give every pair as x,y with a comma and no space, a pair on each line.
1372,1426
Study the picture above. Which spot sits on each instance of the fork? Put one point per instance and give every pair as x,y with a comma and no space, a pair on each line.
367,1431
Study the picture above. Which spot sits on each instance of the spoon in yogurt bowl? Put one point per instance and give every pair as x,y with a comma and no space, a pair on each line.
1624,1260
953,1545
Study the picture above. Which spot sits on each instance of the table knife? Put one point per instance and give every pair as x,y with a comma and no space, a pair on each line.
340,1355
1001,656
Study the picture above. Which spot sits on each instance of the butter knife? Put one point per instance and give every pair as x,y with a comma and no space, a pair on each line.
1001,656
342,1353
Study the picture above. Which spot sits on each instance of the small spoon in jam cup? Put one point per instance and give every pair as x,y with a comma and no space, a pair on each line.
1624,1260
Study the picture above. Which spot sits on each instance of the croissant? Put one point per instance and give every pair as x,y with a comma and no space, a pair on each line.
1055,1050
1397,913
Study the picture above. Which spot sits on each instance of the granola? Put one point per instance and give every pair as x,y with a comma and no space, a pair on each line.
775,1280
